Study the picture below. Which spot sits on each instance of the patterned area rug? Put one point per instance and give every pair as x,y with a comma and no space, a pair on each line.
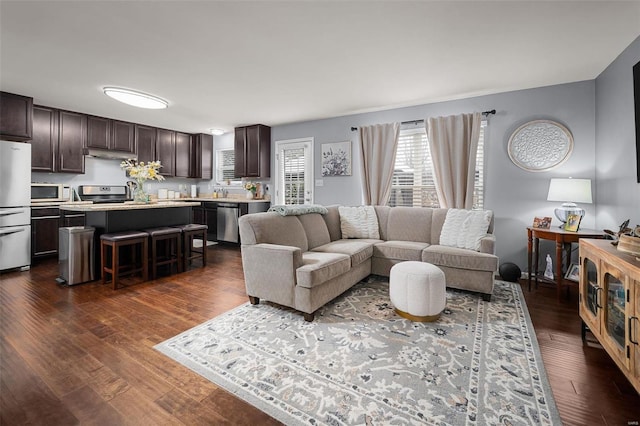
360,363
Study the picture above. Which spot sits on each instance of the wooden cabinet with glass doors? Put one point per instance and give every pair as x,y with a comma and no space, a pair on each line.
610,302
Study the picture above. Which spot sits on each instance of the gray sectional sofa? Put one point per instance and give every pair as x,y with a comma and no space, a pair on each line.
303,262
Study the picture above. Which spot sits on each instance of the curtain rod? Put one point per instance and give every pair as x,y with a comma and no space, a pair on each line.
485,113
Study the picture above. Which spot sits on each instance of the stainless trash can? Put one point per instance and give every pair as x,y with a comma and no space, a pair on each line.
76,254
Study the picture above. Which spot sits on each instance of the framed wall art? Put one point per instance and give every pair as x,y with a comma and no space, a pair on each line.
336,159
540,145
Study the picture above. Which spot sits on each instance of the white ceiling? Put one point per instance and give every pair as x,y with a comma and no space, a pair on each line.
229,63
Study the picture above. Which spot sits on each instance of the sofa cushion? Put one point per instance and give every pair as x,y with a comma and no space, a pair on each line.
332,219
400,250
272,228
358,250
465,228
454,257
409,224
315,228
318,268
359,222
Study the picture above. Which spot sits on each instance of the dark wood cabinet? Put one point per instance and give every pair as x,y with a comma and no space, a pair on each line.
146,143
201,157
166,151
207,214
72,134
98,132
252,146
107,134
183,155
16,117
123,136
45,222
44,144
69,218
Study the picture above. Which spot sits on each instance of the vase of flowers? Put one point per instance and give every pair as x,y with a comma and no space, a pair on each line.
251,188
141,172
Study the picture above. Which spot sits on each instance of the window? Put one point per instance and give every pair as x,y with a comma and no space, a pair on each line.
225,159
413,183
294,165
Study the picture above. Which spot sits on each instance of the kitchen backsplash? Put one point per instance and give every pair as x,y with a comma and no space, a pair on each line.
101,171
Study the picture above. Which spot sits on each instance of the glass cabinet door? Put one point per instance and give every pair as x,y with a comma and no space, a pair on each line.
615,320
590,294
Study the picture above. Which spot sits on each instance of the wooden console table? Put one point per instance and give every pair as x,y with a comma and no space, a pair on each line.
563,240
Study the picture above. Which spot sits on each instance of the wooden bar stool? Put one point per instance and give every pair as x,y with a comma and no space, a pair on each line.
137,239
172,250
189,232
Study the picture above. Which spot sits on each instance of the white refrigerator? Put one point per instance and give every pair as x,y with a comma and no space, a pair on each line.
15,201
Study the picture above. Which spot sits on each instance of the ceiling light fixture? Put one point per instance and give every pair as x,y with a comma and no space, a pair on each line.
217,132
134,98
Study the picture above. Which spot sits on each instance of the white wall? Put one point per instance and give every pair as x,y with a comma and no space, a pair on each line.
617,189
515,195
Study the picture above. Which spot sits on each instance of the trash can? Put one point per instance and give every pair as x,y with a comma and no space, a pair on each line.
76,254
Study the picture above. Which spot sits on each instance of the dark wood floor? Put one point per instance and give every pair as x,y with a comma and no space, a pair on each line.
84,354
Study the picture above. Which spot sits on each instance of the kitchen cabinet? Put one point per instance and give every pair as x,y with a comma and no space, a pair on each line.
207,214
166,151
201,156
69,218
44,144
252,149
16,117
107,134
146,138
609,303
184,151
45,222
72,135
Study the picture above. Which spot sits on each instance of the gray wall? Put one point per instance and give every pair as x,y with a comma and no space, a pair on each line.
617,189
515,195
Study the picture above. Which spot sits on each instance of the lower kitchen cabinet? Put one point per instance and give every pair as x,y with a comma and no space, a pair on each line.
69,218
207,214
45,222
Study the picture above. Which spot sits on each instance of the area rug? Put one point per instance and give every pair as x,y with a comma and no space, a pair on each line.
358,362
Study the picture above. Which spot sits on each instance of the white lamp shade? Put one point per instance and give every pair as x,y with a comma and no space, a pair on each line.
570,190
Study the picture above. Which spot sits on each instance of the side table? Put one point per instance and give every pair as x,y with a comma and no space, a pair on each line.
563,240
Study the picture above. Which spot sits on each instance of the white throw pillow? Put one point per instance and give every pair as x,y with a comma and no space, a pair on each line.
359,222
465,228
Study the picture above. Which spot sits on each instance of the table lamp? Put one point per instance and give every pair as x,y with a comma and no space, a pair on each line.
569,191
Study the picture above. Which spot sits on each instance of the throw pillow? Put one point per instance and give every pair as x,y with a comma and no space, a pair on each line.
359,222
465,228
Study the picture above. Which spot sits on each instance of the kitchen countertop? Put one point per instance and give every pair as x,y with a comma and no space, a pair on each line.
127,206
60,203
227,200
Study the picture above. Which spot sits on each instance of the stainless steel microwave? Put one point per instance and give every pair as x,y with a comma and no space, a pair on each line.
47,192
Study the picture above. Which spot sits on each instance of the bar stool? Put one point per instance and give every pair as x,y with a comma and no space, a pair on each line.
115,241
172,253
189,232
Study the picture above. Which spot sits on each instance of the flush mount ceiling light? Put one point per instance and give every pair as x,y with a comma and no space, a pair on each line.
217,132
137,99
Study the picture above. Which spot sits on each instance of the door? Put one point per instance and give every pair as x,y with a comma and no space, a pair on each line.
15,174
146,140
166,151
72,134
183,154
98,132
591,297
294,171
122,137
616,311
44,144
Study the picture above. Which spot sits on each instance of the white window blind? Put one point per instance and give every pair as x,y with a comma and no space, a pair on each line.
224,165
293,168
413,183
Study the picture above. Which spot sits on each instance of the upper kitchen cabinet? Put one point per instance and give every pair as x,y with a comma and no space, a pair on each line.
252,146
58,140
107,134
72,135
16,117
44,144
166,151
146,138
203,157
184,152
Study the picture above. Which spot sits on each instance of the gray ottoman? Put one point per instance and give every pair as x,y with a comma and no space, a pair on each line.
417,290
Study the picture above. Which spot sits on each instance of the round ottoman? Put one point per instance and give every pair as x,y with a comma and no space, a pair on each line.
417,290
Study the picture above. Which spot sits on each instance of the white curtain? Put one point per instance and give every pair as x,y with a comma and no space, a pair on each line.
453,142
378,145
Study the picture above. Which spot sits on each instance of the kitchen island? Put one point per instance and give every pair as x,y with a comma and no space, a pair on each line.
118,217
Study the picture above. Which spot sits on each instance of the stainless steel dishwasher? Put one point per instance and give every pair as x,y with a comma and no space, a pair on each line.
227,228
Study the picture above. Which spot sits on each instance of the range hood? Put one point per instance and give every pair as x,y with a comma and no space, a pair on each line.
113,155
